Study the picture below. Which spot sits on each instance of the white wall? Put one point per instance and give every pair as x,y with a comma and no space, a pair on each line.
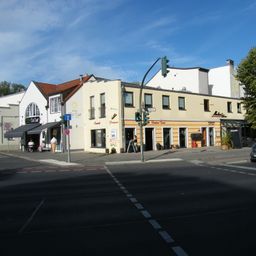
76,107
113,126
191,79
13,99
33,95
220,79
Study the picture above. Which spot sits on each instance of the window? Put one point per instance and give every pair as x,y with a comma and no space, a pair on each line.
98,138
148,100
55,105
239,110
102,105
165,102
206,105
181,101
92,108
229,106
128,99
32,110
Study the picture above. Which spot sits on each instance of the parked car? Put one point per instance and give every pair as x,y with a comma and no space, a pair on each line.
253,153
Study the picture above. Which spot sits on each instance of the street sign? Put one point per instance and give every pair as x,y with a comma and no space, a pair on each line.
66,131
67,117
151,109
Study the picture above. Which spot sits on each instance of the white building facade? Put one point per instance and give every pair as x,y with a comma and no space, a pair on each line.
9,119
220,81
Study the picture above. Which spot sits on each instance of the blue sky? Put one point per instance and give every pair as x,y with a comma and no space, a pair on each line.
56,41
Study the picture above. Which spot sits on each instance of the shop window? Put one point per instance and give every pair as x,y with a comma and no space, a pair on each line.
98,138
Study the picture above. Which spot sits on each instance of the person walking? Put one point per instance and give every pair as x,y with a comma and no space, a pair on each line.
53,144
31,145
135,142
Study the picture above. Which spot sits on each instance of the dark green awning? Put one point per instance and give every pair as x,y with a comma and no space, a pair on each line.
19,132
38,129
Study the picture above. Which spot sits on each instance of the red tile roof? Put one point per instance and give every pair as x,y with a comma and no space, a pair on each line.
67,89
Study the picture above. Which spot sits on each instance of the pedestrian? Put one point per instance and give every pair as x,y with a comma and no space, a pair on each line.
31,145
135,143
53,144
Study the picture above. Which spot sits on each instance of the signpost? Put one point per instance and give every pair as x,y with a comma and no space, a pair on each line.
67,117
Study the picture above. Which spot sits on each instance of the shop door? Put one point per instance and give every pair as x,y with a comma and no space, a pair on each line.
129,135
183,137
167,137
149,138
211,136
204,141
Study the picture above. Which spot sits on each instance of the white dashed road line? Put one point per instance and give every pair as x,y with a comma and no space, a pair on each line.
146,214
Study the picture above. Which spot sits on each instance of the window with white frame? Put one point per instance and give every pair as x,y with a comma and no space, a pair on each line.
55,105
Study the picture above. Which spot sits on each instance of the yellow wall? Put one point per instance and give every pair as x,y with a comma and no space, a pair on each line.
193,118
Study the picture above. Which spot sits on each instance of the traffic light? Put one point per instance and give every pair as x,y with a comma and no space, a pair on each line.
145,117
63,121
164,62
137,117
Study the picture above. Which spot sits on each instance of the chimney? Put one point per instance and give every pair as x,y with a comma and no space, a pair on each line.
230,62
81,78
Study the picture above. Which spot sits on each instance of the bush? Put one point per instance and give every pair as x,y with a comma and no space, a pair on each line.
226,140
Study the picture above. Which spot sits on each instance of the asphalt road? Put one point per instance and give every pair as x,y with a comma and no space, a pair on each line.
173,208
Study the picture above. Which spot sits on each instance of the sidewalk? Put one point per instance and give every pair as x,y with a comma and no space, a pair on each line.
84,158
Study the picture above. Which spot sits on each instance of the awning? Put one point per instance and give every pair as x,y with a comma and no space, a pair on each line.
19,132
38,129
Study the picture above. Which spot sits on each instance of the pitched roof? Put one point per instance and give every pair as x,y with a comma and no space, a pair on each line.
67,88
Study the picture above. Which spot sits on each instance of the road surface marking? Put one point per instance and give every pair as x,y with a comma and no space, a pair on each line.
133,200
146,214
234,171
240,167
147,161
31,217
164,234
139,206
155,224
179,251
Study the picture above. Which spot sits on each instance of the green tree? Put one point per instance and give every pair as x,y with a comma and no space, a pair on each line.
7,88
246,74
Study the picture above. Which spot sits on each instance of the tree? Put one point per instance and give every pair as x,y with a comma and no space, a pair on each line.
7,88
246,74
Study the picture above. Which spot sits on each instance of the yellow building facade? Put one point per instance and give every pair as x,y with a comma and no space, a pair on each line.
177,119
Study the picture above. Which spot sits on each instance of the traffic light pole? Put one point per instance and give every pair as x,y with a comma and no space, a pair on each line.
140,110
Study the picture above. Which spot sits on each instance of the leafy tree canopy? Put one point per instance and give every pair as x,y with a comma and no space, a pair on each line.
7,88
246,74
